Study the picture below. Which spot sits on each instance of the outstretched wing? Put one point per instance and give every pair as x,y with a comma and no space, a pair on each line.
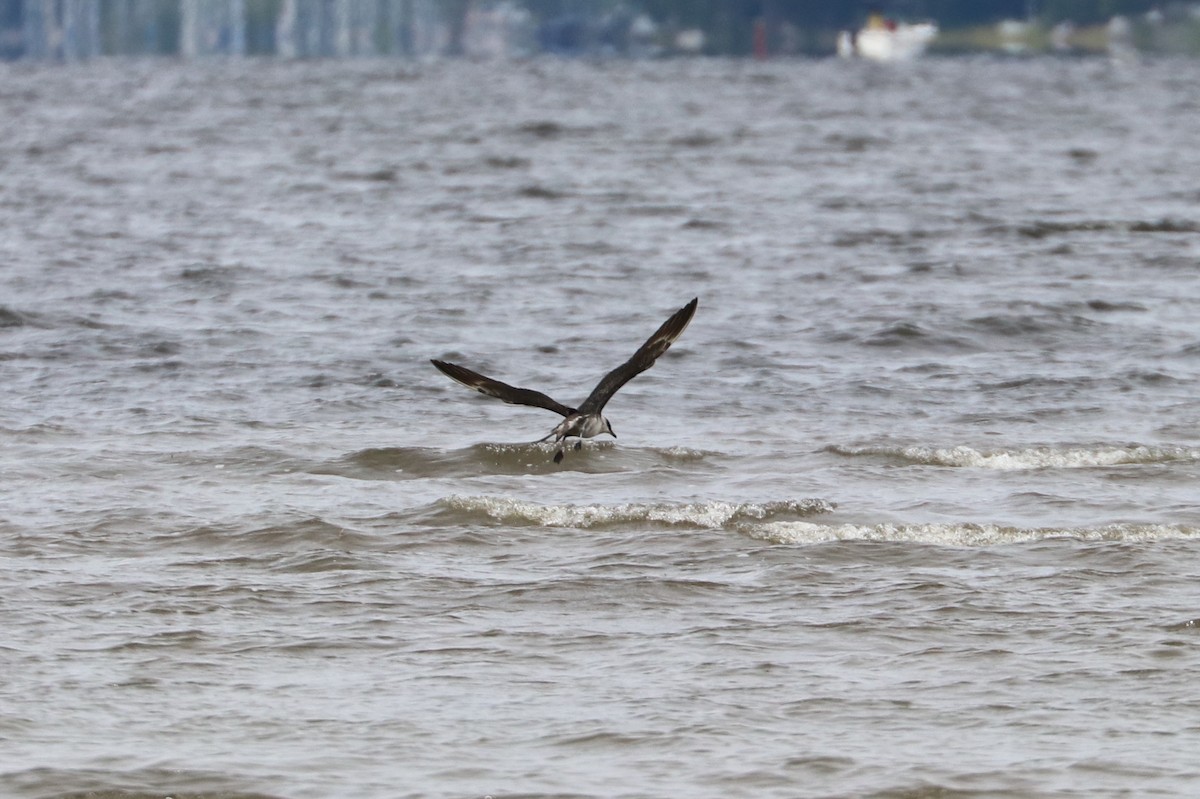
642,360
494,388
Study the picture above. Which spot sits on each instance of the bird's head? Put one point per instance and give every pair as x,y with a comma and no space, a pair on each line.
608,427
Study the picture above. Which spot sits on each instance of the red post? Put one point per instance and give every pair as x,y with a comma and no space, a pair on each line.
760,39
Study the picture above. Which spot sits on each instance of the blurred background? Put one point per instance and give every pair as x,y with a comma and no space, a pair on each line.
80,29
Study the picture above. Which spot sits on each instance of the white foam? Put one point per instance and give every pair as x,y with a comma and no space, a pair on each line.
1031,457
684,453
958,535
698,514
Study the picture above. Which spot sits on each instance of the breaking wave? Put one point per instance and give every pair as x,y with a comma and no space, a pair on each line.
703,515
1027,458
780,522
402,463
960,535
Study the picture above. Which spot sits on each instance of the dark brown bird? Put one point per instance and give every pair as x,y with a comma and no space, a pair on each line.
587,420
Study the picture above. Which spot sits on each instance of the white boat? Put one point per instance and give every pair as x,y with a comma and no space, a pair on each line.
887,40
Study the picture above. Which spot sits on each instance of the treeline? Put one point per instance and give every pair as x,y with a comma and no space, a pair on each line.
80,29
810,26
709,14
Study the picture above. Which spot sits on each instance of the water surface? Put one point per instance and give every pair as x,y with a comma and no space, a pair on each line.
909,510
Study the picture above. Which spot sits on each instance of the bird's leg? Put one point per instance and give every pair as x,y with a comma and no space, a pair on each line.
559,439
558,456
566,429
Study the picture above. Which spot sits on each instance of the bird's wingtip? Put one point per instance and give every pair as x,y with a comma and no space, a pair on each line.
689,310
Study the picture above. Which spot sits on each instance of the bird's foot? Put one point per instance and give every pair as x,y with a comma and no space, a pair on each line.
558,456
578,445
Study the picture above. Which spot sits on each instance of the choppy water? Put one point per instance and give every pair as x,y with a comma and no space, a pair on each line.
910,509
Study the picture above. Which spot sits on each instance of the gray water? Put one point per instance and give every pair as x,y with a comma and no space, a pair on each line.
910,509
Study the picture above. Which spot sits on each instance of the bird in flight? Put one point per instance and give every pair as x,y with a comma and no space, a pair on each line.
585,421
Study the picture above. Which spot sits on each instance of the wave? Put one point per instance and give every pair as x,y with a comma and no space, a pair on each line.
778,522
1026,458
960,535
1042,228
12,318
401,463
701,515
142,783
